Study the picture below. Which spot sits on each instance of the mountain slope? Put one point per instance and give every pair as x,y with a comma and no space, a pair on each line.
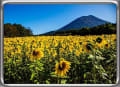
84,21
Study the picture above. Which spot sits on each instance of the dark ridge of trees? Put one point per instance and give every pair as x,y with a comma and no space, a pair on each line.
16,30
107,28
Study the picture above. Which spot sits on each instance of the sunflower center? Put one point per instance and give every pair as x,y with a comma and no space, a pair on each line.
89,46
35,53
80,43
62,67
106,45
99,40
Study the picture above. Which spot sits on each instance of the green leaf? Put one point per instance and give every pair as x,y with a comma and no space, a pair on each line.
47,82
53,74
63,81
32,76
100,58
84,75
90,56
31,66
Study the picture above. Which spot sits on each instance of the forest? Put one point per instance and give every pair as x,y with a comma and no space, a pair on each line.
107,28
16,30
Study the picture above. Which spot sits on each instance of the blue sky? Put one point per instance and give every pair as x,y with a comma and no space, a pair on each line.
41,18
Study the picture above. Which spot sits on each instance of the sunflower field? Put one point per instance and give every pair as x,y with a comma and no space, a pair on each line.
90,59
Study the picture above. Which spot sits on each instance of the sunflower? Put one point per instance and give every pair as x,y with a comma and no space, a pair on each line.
64,45
87,46
107,45
61,50
47,45
103,44
62,68
71,48
98,39
53,52
77,52
37,54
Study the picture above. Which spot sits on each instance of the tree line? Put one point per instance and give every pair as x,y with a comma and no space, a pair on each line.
16,30
107,28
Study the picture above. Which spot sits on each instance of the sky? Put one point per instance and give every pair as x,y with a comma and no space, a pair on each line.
41,18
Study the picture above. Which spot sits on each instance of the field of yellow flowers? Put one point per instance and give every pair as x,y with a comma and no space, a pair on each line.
60,59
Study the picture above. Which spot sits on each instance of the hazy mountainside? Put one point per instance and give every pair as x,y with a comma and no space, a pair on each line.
84,21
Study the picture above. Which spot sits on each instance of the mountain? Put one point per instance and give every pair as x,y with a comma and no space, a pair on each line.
84,21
